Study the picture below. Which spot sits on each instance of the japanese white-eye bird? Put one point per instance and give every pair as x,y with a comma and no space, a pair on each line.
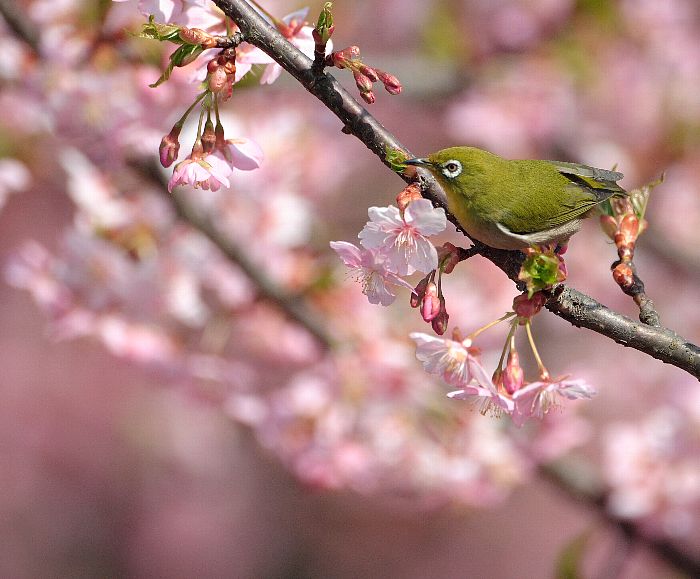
511,204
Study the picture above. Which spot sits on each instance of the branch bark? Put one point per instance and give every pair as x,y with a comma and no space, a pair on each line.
575,307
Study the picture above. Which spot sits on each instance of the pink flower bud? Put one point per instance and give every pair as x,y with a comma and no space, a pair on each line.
430,304
513,376
440,321
169,147
390,82
217,80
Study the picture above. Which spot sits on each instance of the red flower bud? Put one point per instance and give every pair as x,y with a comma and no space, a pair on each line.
368,97
368,71
525,307
390,82
449,257
627,232
623,275
363,82
440,321
208,137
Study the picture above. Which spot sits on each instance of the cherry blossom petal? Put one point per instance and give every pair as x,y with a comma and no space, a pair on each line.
427,219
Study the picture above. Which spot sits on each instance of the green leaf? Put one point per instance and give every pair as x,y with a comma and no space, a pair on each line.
395,158
162,32
640,197
325,22
183,56
569,562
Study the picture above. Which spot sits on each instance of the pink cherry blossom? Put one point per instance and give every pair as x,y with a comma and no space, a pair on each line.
371,271
404,239
456,363
244,154
209,172
537,398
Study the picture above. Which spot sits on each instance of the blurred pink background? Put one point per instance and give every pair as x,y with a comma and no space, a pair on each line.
116,468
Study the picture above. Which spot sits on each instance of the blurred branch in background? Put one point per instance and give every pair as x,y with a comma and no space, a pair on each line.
293,306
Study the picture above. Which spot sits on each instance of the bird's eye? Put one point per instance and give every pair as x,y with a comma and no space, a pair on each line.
452,168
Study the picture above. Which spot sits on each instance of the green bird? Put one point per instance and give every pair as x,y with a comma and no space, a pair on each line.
517,204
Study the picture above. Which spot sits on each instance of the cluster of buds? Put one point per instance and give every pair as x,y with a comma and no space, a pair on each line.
623,227
624,223
365,76
222,73
429,297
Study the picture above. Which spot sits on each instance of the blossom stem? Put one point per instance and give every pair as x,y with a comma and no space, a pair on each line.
544,373
183,118
475,333
511,334
216,109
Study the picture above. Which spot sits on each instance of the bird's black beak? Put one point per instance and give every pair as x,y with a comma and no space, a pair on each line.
418,162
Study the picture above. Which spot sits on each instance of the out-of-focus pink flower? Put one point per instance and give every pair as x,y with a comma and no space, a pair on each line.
14,176
404,239
537,398
457,363
653,471
191,13
371,269
207,172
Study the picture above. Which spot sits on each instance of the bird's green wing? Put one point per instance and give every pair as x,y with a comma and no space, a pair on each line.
591,177
580,189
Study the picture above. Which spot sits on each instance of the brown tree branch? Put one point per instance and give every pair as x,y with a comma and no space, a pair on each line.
575,307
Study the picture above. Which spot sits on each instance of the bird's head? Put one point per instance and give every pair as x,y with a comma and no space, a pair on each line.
452,165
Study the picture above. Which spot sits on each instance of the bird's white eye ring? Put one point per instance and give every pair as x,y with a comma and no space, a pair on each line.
451,168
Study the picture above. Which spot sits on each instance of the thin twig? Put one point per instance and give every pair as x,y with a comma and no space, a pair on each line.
577,308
